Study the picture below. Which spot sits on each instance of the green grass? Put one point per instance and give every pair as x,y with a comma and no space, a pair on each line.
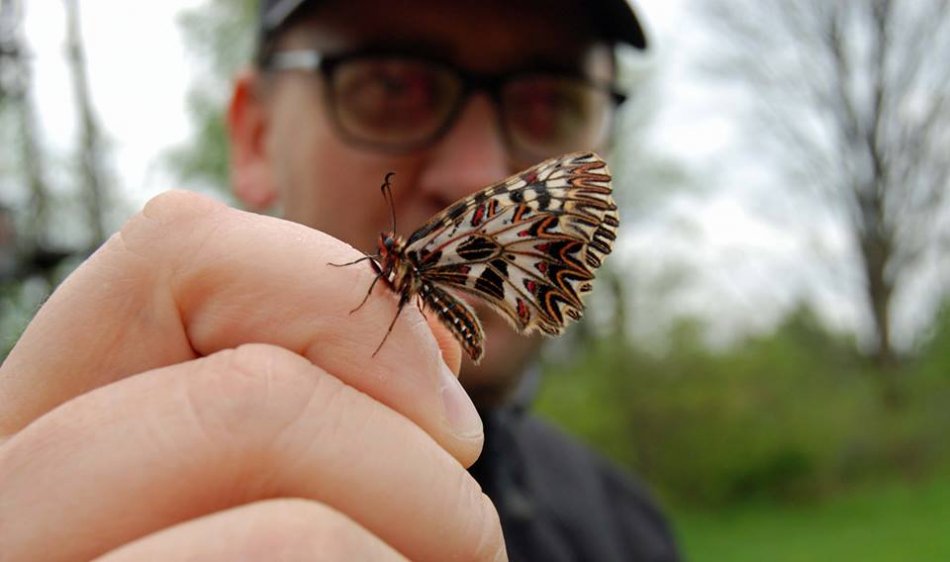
895,523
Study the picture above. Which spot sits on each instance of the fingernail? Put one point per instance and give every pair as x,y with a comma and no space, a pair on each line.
459,409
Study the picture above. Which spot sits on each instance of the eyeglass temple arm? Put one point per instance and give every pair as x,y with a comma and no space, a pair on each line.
295,60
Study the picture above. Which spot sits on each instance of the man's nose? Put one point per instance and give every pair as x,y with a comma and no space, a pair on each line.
472,155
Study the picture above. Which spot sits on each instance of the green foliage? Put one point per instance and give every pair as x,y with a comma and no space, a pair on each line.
791,416
205,158
892,521
18,303
221,34
933,356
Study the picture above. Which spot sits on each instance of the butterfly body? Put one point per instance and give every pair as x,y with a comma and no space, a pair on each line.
401,273
527,246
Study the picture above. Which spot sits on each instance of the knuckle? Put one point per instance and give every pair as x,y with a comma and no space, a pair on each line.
490,539
165,217
173,208
481,530
177,204
310,530
254,392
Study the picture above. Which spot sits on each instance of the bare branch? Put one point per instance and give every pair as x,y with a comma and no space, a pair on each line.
856,97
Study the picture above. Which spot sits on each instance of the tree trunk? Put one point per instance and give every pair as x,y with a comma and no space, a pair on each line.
91,169
17,89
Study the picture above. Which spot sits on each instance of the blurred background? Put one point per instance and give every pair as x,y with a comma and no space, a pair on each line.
770,346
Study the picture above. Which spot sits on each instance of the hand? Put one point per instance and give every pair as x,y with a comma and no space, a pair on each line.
199,388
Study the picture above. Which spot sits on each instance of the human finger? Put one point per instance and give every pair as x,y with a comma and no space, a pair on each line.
188,277
279,530
168,446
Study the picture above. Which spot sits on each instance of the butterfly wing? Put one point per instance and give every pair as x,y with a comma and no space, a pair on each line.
528,246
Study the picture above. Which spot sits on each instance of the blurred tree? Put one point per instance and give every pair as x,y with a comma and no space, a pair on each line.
32,213
17,111
854,98
644,174
91,150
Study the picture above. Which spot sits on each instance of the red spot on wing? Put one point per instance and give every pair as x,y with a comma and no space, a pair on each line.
522,310
479,215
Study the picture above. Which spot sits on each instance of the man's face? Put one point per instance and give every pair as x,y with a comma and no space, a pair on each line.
288,153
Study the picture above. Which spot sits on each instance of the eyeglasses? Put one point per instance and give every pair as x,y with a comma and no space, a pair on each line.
398,103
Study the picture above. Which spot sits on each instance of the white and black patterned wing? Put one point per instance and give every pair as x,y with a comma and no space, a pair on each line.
529,246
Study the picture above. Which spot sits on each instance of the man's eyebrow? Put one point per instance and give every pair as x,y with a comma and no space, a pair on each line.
547,63
415,47
573,64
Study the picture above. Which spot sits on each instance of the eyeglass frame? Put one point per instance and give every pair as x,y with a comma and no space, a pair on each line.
312,60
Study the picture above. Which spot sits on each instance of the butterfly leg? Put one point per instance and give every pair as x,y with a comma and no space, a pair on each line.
368,293
354,262
379,273
403,300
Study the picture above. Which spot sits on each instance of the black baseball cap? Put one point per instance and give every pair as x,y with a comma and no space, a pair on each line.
614,18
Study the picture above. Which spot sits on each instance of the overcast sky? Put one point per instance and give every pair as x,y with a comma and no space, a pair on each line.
745,267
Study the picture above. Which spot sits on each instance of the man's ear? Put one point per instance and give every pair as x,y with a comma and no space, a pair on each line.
252,174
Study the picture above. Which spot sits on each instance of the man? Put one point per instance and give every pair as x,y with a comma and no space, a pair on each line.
216,398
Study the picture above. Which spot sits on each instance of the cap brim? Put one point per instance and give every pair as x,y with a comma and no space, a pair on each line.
619,22
615,18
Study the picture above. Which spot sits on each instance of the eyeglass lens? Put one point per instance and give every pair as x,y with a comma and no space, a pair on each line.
391,101
401,103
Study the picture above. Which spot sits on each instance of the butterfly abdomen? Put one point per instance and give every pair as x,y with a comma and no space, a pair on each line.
457,316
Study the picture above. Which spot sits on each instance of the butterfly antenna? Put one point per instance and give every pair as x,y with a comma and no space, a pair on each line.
387,190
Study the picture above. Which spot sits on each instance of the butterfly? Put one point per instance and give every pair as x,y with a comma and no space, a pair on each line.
528,246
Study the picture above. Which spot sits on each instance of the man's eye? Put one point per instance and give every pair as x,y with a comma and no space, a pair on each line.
387,86
552,97
382,100
544,110
406,88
